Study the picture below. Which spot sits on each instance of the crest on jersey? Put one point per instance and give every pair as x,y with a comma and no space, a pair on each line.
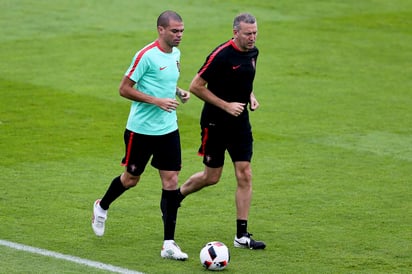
178,65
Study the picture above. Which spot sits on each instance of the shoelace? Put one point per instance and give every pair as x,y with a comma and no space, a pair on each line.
100,221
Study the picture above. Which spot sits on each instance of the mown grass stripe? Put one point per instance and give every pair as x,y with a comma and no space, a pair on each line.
77,260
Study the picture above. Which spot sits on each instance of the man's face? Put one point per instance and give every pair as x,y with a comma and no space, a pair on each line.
172,34
246,36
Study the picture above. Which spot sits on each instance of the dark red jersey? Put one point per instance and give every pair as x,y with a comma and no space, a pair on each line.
229,74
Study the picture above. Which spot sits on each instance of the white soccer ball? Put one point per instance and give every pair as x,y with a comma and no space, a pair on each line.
214,256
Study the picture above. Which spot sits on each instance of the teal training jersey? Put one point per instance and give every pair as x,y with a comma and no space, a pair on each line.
155,73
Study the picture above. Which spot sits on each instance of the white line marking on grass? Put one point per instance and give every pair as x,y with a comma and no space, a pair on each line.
70,258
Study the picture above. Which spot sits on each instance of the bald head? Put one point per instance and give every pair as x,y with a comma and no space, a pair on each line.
166,16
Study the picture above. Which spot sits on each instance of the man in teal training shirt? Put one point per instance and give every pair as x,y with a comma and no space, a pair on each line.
152,130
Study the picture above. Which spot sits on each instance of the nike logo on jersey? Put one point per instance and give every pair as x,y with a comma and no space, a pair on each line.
235,67
162,68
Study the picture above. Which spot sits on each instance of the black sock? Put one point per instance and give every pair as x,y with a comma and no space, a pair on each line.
169,205
241,228
180,197
115,189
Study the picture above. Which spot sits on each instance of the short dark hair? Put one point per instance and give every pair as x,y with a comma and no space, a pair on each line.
166,16
245,18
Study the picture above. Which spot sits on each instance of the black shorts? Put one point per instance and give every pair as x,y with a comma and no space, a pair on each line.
216,139
165,150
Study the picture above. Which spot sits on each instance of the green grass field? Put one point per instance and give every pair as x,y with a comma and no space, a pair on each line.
333,137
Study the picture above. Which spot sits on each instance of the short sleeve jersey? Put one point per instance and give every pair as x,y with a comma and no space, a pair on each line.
156,73
229,73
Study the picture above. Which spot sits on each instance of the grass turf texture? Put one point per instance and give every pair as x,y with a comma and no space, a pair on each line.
333,138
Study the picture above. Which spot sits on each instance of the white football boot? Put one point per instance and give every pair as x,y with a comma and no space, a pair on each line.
99,218
171,250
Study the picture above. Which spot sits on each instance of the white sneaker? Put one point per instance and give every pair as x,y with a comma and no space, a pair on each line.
171,250
246,241
99,218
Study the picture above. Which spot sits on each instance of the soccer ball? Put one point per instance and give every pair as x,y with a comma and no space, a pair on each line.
214,256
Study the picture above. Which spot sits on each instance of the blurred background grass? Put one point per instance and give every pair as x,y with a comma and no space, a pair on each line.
332,160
